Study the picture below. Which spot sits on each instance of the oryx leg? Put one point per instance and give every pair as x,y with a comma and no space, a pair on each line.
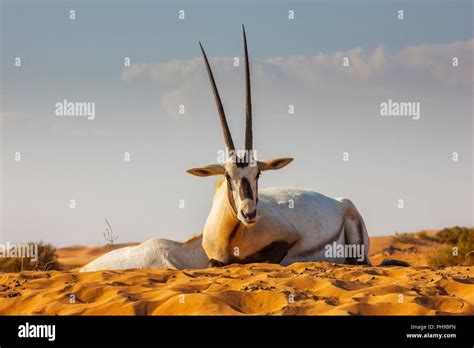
356,239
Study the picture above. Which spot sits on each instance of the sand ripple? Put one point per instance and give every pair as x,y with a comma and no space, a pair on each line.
316,288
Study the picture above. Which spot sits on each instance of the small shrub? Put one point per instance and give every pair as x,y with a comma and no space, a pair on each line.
423,235
452,235
460,242
109,235
405,238
46,260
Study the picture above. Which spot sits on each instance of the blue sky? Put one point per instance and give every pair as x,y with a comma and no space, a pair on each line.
151,31
293,62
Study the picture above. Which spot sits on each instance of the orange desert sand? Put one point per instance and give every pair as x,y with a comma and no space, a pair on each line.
315,288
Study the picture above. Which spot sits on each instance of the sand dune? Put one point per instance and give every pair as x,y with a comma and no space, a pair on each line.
76,256
415,254
316,288
303,289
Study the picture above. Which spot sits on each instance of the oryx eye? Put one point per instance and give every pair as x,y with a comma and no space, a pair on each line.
227,176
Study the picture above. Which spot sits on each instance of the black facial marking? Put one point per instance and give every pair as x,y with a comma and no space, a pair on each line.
245,189
241,164
229,186
256,185
230,196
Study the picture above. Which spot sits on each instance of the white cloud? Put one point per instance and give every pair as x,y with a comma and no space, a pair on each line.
416,69
168,73
436,60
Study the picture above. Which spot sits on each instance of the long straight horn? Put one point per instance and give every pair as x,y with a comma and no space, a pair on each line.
220,109
248,99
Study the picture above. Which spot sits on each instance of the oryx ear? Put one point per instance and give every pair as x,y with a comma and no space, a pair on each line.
276,163
212,169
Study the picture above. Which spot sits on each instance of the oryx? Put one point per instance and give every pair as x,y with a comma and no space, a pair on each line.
245,224
280,225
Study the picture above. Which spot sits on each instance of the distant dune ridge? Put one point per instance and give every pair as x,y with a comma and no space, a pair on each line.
315,288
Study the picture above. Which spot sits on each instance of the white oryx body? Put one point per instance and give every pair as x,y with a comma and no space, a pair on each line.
300,224
306,218
154,253
317,221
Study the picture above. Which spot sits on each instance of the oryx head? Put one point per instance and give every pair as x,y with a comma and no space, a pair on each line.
241,169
